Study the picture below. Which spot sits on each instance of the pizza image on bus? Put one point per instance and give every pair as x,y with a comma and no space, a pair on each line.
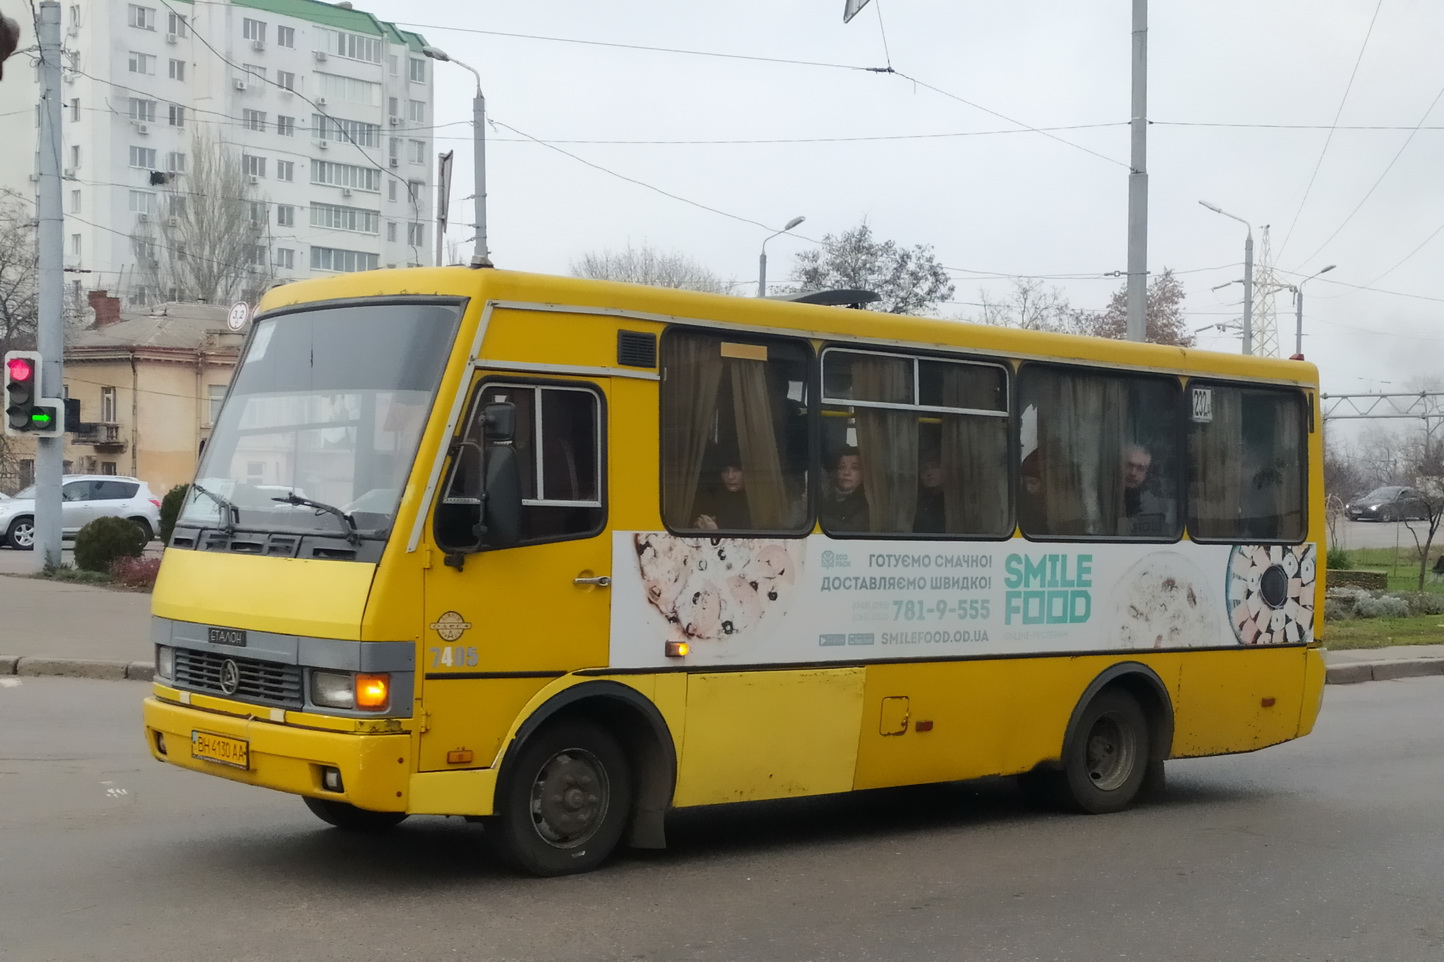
711,589
1163,601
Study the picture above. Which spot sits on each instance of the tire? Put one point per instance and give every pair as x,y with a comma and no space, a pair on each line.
564,802
144,527
349,818
1106,759
21,534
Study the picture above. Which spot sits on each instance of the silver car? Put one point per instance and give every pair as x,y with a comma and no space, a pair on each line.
83,498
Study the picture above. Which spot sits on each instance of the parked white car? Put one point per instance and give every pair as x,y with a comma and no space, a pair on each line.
83,498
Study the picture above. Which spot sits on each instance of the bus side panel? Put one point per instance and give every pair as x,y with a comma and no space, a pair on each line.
970,719
471,714
1239,700
770,734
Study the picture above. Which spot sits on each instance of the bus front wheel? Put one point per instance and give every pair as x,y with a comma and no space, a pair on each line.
349,818
565,801
1105,762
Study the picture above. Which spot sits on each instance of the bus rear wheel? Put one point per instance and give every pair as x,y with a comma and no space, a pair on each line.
348,817
1106,760
564,803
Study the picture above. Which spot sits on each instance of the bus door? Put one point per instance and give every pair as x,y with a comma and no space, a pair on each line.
511,604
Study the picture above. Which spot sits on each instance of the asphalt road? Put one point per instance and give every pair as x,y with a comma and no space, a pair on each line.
1324,849
1374,534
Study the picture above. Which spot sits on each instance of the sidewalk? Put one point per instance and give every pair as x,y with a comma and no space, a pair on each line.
56,628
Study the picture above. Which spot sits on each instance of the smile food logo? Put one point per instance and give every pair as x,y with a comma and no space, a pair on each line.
450,626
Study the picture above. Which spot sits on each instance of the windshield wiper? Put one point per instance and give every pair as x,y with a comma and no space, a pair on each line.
347,522
231,515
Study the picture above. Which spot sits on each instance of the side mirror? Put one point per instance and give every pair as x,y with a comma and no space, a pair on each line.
501,506
499,422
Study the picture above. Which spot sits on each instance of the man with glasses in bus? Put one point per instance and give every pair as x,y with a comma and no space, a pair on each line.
1146,512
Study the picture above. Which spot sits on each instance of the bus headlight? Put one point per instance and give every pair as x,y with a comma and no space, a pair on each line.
342,689
164,662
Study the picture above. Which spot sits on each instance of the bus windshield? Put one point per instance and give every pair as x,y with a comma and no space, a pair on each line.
320,428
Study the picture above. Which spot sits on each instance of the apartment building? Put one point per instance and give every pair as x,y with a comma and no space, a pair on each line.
329,109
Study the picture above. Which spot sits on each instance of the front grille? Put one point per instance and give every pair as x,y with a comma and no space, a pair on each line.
266,682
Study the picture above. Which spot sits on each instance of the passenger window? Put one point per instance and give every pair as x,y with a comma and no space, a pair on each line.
913,446
1246,454
77,491
559,453
1098,455
735,434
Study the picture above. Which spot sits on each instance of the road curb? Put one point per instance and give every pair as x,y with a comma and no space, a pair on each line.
1383,670
76,668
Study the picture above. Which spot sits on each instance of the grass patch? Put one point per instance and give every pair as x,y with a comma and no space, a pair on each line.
73,575
1400,564
1346,633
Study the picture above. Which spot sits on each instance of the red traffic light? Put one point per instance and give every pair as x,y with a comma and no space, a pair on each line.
21,369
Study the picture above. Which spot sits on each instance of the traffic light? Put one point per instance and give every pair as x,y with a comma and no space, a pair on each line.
26,412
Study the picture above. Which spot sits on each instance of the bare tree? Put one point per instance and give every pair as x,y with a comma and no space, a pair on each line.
19,291
210,241
1030,306
1424,462
19,288
908,280
647,265
1165,321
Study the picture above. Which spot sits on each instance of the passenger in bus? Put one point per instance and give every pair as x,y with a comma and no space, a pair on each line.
1032,509
930,516
1146,512
723,506
844,505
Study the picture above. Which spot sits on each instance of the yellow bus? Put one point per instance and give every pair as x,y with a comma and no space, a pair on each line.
561,556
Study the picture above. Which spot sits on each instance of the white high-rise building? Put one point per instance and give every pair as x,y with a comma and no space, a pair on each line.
328,109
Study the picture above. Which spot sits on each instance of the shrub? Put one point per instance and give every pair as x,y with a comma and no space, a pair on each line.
135,572
103,540
170,507
1425,602
1339,559
1384,606
1337,609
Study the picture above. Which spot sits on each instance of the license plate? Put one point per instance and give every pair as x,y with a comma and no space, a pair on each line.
223,749
235,637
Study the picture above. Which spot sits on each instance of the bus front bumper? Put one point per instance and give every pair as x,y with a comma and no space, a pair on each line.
373,769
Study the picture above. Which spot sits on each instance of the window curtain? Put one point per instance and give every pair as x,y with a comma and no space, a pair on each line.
888,443
975,458
765,487
1215,491
1288,442
1081,434
692,369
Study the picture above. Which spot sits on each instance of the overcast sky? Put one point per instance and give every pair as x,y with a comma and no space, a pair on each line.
1242,96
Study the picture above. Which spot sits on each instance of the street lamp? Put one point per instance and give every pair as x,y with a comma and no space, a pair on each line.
1299,311
1247,276
481,257
762,260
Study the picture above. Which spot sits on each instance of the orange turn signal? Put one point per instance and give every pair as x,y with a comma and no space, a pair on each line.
373,692
678,649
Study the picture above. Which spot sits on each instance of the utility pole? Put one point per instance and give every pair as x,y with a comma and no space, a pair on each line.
1138,181
49,327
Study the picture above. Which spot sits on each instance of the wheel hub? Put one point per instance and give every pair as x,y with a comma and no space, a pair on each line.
569,798
1110,754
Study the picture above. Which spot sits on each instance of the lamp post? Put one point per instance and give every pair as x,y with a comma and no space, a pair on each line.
1299,311
1247,276
762,259
481,257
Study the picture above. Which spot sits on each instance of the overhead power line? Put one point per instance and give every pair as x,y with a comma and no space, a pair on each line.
1337,114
